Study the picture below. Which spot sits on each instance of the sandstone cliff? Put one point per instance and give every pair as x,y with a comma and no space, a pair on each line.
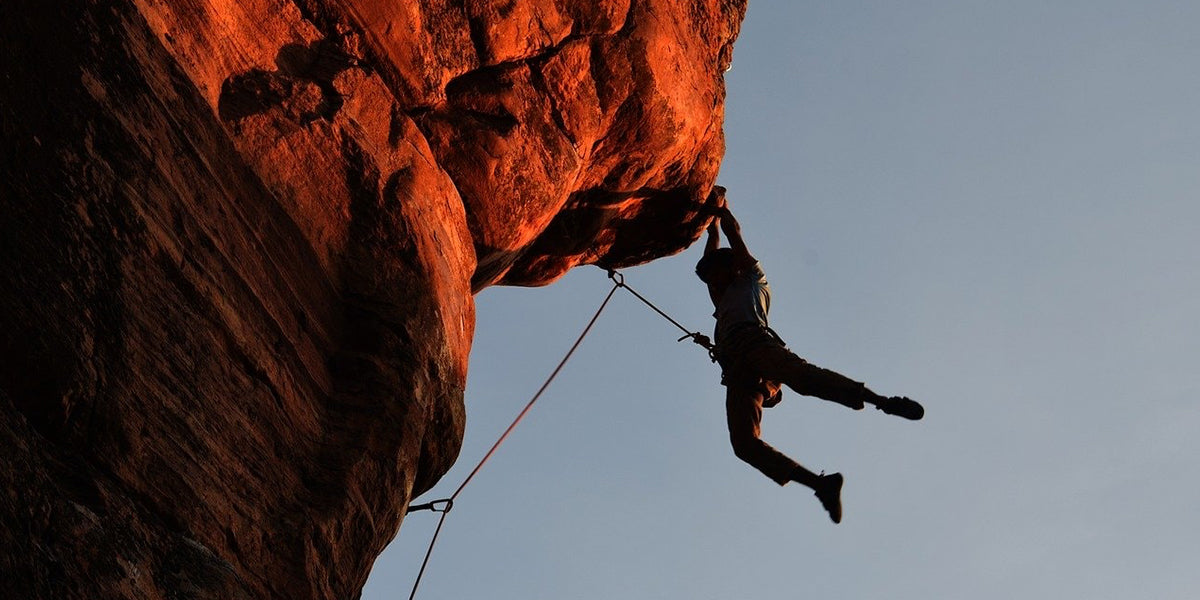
240,242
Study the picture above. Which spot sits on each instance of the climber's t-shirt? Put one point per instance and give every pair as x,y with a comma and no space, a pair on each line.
746,301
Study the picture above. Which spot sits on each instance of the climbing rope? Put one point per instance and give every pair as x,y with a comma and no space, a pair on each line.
444,505
697,337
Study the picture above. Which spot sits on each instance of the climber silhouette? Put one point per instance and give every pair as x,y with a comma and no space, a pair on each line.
755,361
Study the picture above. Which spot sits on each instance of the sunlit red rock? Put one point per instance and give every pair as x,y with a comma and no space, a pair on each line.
241,240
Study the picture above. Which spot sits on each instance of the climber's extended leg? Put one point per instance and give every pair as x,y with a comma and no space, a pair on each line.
776,362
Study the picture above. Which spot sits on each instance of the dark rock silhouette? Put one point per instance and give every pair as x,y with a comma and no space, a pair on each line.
240,242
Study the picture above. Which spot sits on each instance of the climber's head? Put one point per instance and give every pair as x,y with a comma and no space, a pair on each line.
716,268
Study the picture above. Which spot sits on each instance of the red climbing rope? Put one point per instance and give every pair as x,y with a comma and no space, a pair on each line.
449,502
445,505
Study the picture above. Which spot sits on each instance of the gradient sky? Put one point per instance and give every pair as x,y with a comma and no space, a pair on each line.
991,207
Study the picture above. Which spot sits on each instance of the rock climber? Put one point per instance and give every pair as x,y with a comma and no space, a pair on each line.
755,361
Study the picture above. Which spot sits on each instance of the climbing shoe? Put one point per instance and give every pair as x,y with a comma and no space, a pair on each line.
829,492
901,406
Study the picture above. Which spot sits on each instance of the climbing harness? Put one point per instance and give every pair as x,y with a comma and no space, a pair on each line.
446,504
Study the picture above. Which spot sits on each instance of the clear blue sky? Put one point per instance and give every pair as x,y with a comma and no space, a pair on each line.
991,207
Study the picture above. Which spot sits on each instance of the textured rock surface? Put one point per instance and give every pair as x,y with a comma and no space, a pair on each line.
241,241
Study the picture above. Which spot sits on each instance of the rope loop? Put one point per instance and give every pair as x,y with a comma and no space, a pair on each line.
617,277
699,339
433,506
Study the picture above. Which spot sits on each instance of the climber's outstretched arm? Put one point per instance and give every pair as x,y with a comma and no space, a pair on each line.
714,237
733,231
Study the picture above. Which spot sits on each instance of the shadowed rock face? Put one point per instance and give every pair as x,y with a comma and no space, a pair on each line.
240,243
